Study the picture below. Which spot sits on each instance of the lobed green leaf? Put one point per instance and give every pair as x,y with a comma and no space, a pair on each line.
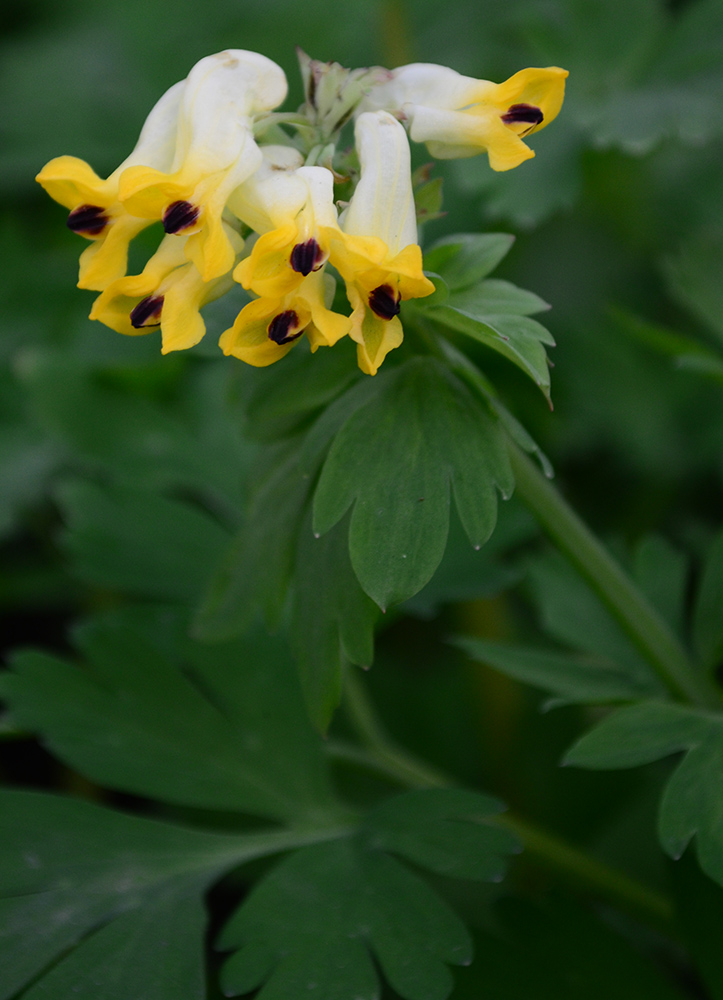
707,615
464,259
125,891
395,459
152,713
137,541
322,916
332,619
691,804
569,679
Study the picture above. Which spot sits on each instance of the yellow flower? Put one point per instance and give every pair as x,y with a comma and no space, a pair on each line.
377,253
459,116
302,219
95,211
267,328
168,293
216,152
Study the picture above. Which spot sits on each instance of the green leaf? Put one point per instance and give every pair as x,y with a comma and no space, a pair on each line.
322,914
694,277
495,297
662,574
517,338
125,890
661,338
709,366
152,713
467,574
466,258
321,434
708,612
428,201
481,386
573,614
156,951
570,679
433,431
137,541
691,803
446,830
285,396
193,445
332,619
312,920
257,567
27,463
638,734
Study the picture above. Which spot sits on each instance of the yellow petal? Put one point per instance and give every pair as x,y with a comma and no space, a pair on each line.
375,339
327,327
267,270
106,260
147,192
181,323
542,88
248,339
71,182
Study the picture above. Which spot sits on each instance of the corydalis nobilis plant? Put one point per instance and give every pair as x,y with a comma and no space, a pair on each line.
238,208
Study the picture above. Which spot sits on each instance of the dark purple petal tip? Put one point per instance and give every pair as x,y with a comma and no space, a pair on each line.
147,312
307,257
528,114
384,303
281,327
179,216
88,220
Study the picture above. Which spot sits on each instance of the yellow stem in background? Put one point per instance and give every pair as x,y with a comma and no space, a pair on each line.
396,35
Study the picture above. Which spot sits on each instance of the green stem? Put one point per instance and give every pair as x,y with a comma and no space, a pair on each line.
581,869
249,847
631,609
386,756
382,755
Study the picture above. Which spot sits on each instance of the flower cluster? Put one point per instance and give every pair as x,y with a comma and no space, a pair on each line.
243,201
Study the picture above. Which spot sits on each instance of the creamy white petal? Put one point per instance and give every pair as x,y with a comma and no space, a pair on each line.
423,83
383,202
222,92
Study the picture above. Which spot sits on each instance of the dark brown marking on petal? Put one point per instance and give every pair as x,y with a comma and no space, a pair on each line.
311,97
147,312
280,326
384,303
179,216
528,114
307,257
88,220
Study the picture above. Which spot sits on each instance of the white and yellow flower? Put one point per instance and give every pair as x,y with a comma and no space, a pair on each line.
293,210
95,210
168,293
458,116
216,152
267,328
376,253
